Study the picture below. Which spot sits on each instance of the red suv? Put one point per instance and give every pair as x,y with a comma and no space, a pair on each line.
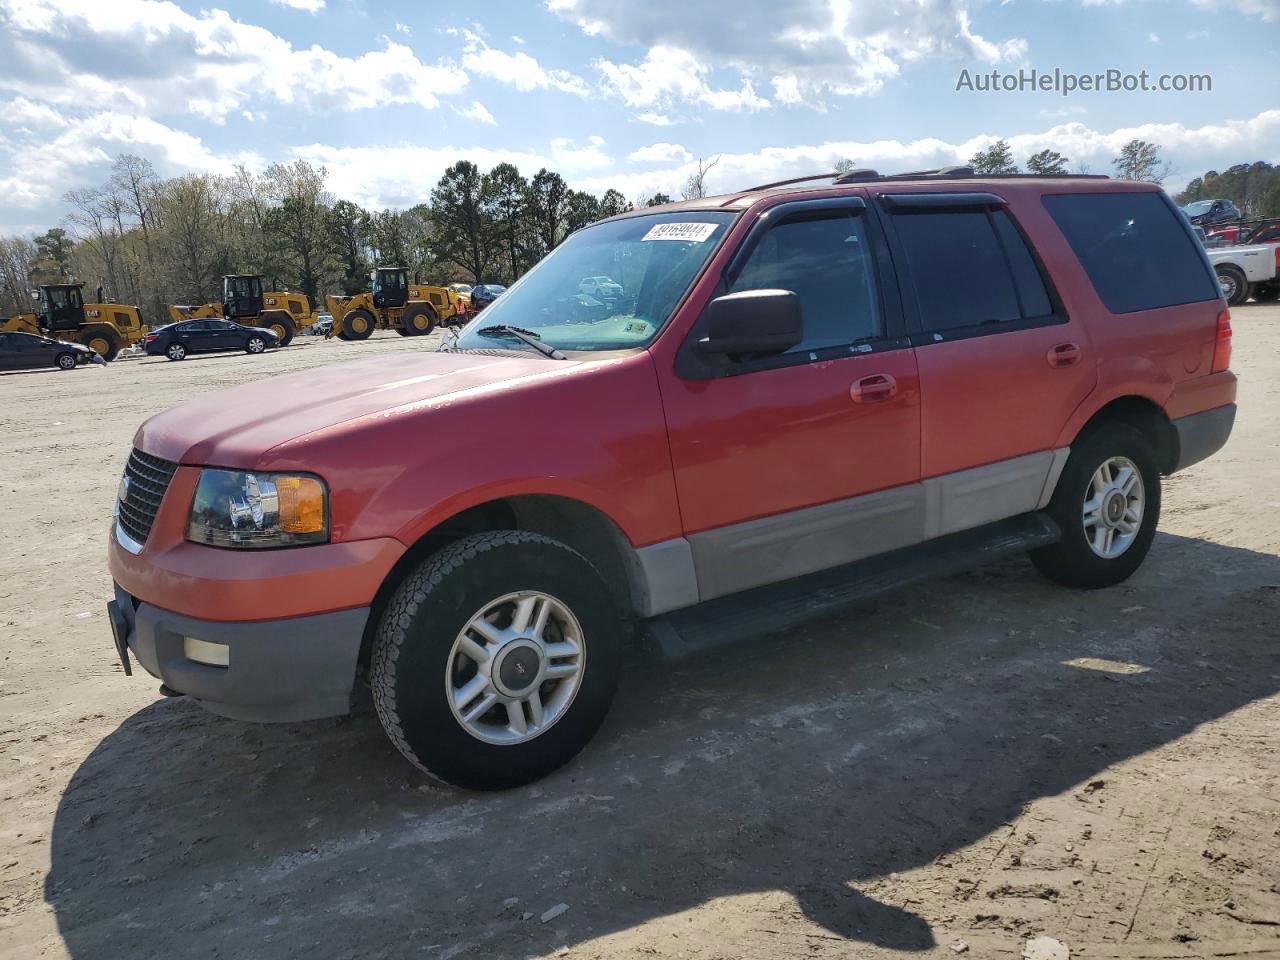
801,395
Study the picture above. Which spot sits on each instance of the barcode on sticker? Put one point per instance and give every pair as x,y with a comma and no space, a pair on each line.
688,232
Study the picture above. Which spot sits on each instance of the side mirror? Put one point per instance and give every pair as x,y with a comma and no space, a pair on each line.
753,322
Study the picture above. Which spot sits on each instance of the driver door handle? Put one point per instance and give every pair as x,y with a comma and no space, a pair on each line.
1064,355
874,389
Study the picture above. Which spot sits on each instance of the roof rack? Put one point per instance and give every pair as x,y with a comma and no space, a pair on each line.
867,175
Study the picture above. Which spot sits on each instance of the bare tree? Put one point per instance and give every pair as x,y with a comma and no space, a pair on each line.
695,188
1141,160
17,260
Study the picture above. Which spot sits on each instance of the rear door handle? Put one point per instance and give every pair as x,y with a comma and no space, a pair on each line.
1064,355
874,389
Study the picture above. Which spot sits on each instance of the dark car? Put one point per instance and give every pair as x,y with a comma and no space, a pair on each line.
1205,213
177,340
25,351
485,294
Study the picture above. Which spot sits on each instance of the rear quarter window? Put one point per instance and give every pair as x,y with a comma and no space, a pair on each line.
1134,249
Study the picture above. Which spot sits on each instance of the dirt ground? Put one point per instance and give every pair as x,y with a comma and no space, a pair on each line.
954,770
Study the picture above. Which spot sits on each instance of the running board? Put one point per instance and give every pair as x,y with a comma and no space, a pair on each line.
764,610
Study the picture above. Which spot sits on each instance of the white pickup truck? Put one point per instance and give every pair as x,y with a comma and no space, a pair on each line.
1248,271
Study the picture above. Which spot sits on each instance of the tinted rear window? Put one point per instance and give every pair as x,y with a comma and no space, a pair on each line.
1134,249
971,267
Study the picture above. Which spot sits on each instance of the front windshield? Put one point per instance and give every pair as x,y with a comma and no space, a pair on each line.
608,287
1197,208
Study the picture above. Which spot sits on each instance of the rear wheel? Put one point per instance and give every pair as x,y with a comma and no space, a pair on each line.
65,361
1235,288
358,325
255,344
103,341
417,321
281,324
1107,504
175,351
496,660
1266,292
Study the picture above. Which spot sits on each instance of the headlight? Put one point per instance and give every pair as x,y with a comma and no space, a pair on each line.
234,508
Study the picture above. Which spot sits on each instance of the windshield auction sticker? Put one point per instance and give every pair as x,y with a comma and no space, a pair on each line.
688,232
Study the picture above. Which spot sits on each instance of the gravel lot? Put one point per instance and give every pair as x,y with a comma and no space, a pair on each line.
957,769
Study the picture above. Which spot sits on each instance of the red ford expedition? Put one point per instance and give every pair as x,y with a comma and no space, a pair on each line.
787,399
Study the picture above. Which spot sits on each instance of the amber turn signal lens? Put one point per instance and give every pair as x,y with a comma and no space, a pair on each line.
301,504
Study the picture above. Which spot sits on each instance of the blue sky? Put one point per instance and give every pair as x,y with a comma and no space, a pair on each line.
622,93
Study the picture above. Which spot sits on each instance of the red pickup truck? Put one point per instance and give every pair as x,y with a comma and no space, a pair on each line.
801,394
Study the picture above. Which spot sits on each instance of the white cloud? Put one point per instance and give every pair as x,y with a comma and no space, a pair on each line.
1153,38
307,6
660,153
1191,150
571,158
656,119
517,69
154,57
477,111
23,113
669,76
1268,10
37,177
805,50
403,28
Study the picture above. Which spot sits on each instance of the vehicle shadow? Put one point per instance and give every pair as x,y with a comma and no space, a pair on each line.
812,763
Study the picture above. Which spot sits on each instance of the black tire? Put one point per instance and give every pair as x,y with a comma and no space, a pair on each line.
362,319
417,320
103,340
1266,292
65,361
1235,288
175,351
415,638
341,335
281,324
1073,561
255,344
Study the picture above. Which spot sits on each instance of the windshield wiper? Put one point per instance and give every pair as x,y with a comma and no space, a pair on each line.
528,336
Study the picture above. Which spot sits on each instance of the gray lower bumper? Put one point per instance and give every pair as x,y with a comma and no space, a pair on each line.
1201,435
277,670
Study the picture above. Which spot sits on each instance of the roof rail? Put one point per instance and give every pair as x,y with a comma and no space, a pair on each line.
867,175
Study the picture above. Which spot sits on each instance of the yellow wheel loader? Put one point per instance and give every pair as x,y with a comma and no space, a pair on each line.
61,313
410,309
245,303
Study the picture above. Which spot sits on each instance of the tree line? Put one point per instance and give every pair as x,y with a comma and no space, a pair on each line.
152,240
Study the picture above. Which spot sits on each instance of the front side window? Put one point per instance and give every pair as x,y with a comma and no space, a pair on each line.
1137,253
824,257
970,268
654,258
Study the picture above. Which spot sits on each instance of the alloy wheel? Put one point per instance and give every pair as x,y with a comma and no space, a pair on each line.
515,668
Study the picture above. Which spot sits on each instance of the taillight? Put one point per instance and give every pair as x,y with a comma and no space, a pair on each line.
1222,343
1277,259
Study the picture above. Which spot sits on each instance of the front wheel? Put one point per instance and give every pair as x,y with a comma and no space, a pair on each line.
65,361
176,351
255,344
496,660
358,324
1107,504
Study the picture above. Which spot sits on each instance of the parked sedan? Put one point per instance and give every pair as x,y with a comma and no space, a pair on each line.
485,294
177,340
27,351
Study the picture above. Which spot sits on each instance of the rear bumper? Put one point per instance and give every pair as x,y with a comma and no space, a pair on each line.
1201,435
301,668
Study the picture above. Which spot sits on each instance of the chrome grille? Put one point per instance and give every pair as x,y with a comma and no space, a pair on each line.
146,478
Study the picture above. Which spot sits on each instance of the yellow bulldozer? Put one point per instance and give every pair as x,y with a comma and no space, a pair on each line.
410,309
61,313
246,303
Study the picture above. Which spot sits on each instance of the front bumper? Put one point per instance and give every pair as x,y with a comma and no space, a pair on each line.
1201,435
300,668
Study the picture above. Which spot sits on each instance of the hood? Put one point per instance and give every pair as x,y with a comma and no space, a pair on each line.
236,427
